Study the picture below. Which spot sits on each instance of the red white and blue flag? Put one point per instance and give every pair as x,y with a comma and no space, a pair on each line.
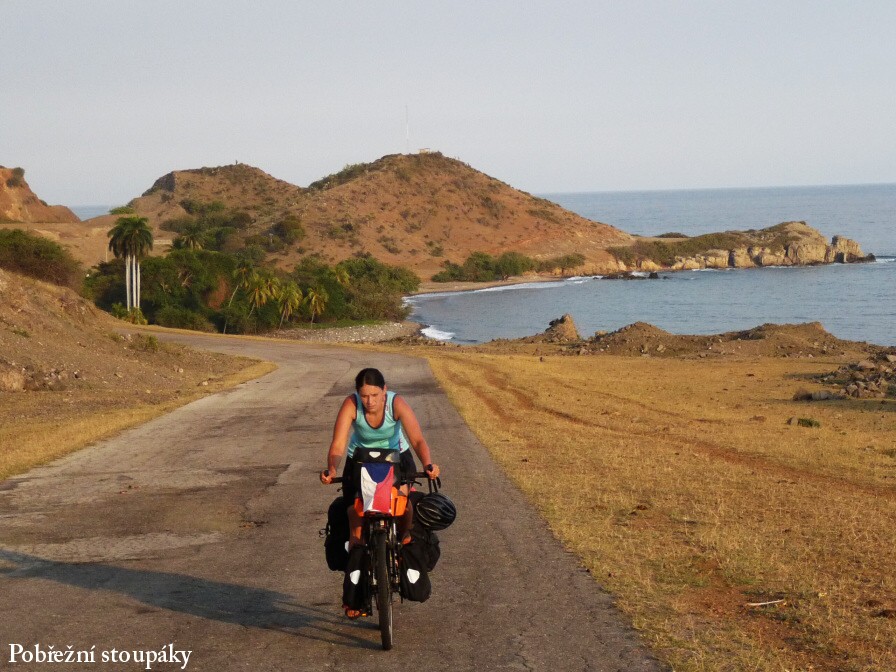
376,486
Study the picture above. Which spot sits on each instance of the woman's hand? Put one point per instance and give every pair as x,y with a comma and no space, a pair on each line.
325,477
433,471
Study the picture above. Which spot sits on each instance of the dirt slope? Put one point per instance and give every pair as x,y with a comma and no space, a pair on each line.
19,204
61,357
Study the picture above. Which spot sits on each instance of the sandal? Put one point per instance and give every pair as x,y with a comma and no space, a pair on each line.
352,613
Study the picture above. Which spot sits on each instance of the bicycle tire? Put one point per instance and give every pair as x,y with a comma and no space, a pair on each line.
383,590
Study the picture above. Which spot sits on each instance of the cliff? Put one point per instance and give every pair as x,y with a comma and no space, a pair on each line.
19,204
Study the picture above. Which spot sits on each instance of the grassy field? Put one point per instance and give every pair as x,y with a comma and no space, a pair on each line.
733,540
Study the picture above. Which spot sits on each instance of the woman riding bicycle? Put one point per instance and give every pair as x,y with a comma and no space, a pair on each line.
374,418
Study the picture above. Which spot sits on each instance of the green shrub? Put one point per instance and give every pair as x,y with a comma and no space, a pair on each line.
17,179
123,210
146,343
289,229
665,253
37,257
183,318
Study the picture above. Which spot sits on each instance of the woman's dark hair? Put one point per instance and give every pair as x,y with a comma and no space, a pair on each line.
369,377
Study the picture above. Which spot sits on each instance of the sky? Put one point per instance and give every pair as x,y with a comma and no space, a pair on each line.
102,97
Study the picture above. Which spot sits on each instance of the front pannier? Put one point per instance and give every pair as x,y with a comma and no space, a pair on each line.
336,535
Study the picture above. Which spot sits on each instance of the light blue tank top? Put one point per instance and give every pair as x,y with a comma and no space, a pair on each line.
388,436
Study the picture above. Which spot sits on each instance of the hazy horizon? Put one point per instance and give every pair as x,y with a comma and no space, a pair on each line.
570,97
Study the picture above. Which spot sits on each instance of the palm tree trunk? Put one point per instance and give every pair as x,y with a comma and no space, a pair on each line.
137,283
127,279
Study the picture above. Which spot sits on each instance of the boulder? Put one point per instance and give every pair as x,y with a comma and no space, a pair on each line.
562,330
11,379
843,250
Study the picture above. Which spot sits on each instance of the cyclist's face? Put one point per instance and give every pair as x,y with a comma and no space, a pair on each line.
372,398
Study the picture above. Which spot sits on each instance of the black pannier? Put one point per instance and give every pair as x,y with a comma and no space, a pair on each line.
415,585
336,535
428,539
355,585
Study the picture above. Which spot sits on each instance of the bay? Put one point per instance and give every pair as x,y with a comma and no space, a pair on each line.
852,301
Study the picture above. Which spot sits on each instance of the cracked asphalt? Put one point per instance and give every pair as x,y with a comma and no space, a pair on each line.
200,529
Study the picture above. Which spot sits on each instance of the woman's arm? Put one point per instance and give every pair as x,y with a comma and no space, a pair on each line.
341,430
402,411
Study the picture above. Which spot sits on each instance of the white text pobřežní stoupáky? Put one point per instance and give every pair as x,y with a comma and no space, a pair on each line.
68,654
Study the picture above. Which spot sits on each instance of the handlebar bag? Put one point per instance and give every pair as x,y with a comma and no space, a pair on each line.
376,487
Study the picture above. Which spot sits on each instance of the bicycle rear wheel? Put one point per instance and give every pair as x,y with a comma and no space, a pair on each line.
383,589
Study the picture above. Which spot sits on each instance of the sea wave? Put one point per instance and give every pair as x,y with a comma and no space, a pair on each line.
437,334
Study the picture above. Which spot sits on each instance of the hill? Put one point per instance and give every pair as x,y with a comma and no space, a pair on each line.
411,210
19,204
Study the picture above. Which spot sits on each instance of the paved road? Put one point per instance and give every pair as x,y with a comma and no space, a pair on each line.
200,529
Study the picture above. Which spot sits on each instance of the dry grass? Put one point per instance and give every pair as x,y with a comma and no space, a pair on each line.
42,426
686,494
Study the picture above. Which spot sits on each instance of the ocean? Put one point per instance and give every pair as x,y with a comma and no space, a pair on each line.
852,301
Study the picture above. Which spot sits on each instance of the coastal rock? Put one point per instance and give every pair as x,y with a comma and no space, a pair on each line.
768,257
686,264
786,244
740,258
714,259
562,330
843,250
648,265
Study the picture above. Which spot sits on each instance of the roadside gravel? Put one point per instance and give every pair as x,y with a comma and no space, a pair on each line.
372,333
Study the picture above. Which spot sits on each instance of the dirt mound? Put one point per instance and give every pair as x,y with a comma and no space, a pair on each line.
768,340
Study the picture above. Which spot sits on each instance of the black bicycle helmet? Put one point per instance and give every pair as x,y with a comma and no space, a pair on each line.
435,511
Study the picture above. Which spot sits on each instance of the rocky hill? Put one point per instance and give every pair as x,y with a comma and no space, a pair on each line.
19,204
412,210
785,244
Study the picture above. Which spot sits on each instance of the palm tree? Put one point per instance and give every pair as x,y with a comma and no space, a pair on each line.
259,288
191,237
240,275
131,238
341,276
289,299
316,300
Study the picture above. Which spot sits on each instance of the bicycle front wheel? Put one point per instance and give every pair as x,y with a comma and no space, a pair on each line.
383,589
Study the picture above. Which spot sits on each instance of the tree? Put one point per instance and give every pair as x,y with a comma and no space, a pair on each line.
131,238
260,287
289,298
192,237
316,299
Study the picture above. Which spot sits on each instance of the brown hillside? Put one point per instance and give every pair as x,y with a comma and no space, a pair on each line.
19,204
412,210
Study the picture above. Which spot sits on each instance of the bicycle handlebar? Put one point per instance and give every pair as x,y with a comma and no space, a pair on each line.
407,478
